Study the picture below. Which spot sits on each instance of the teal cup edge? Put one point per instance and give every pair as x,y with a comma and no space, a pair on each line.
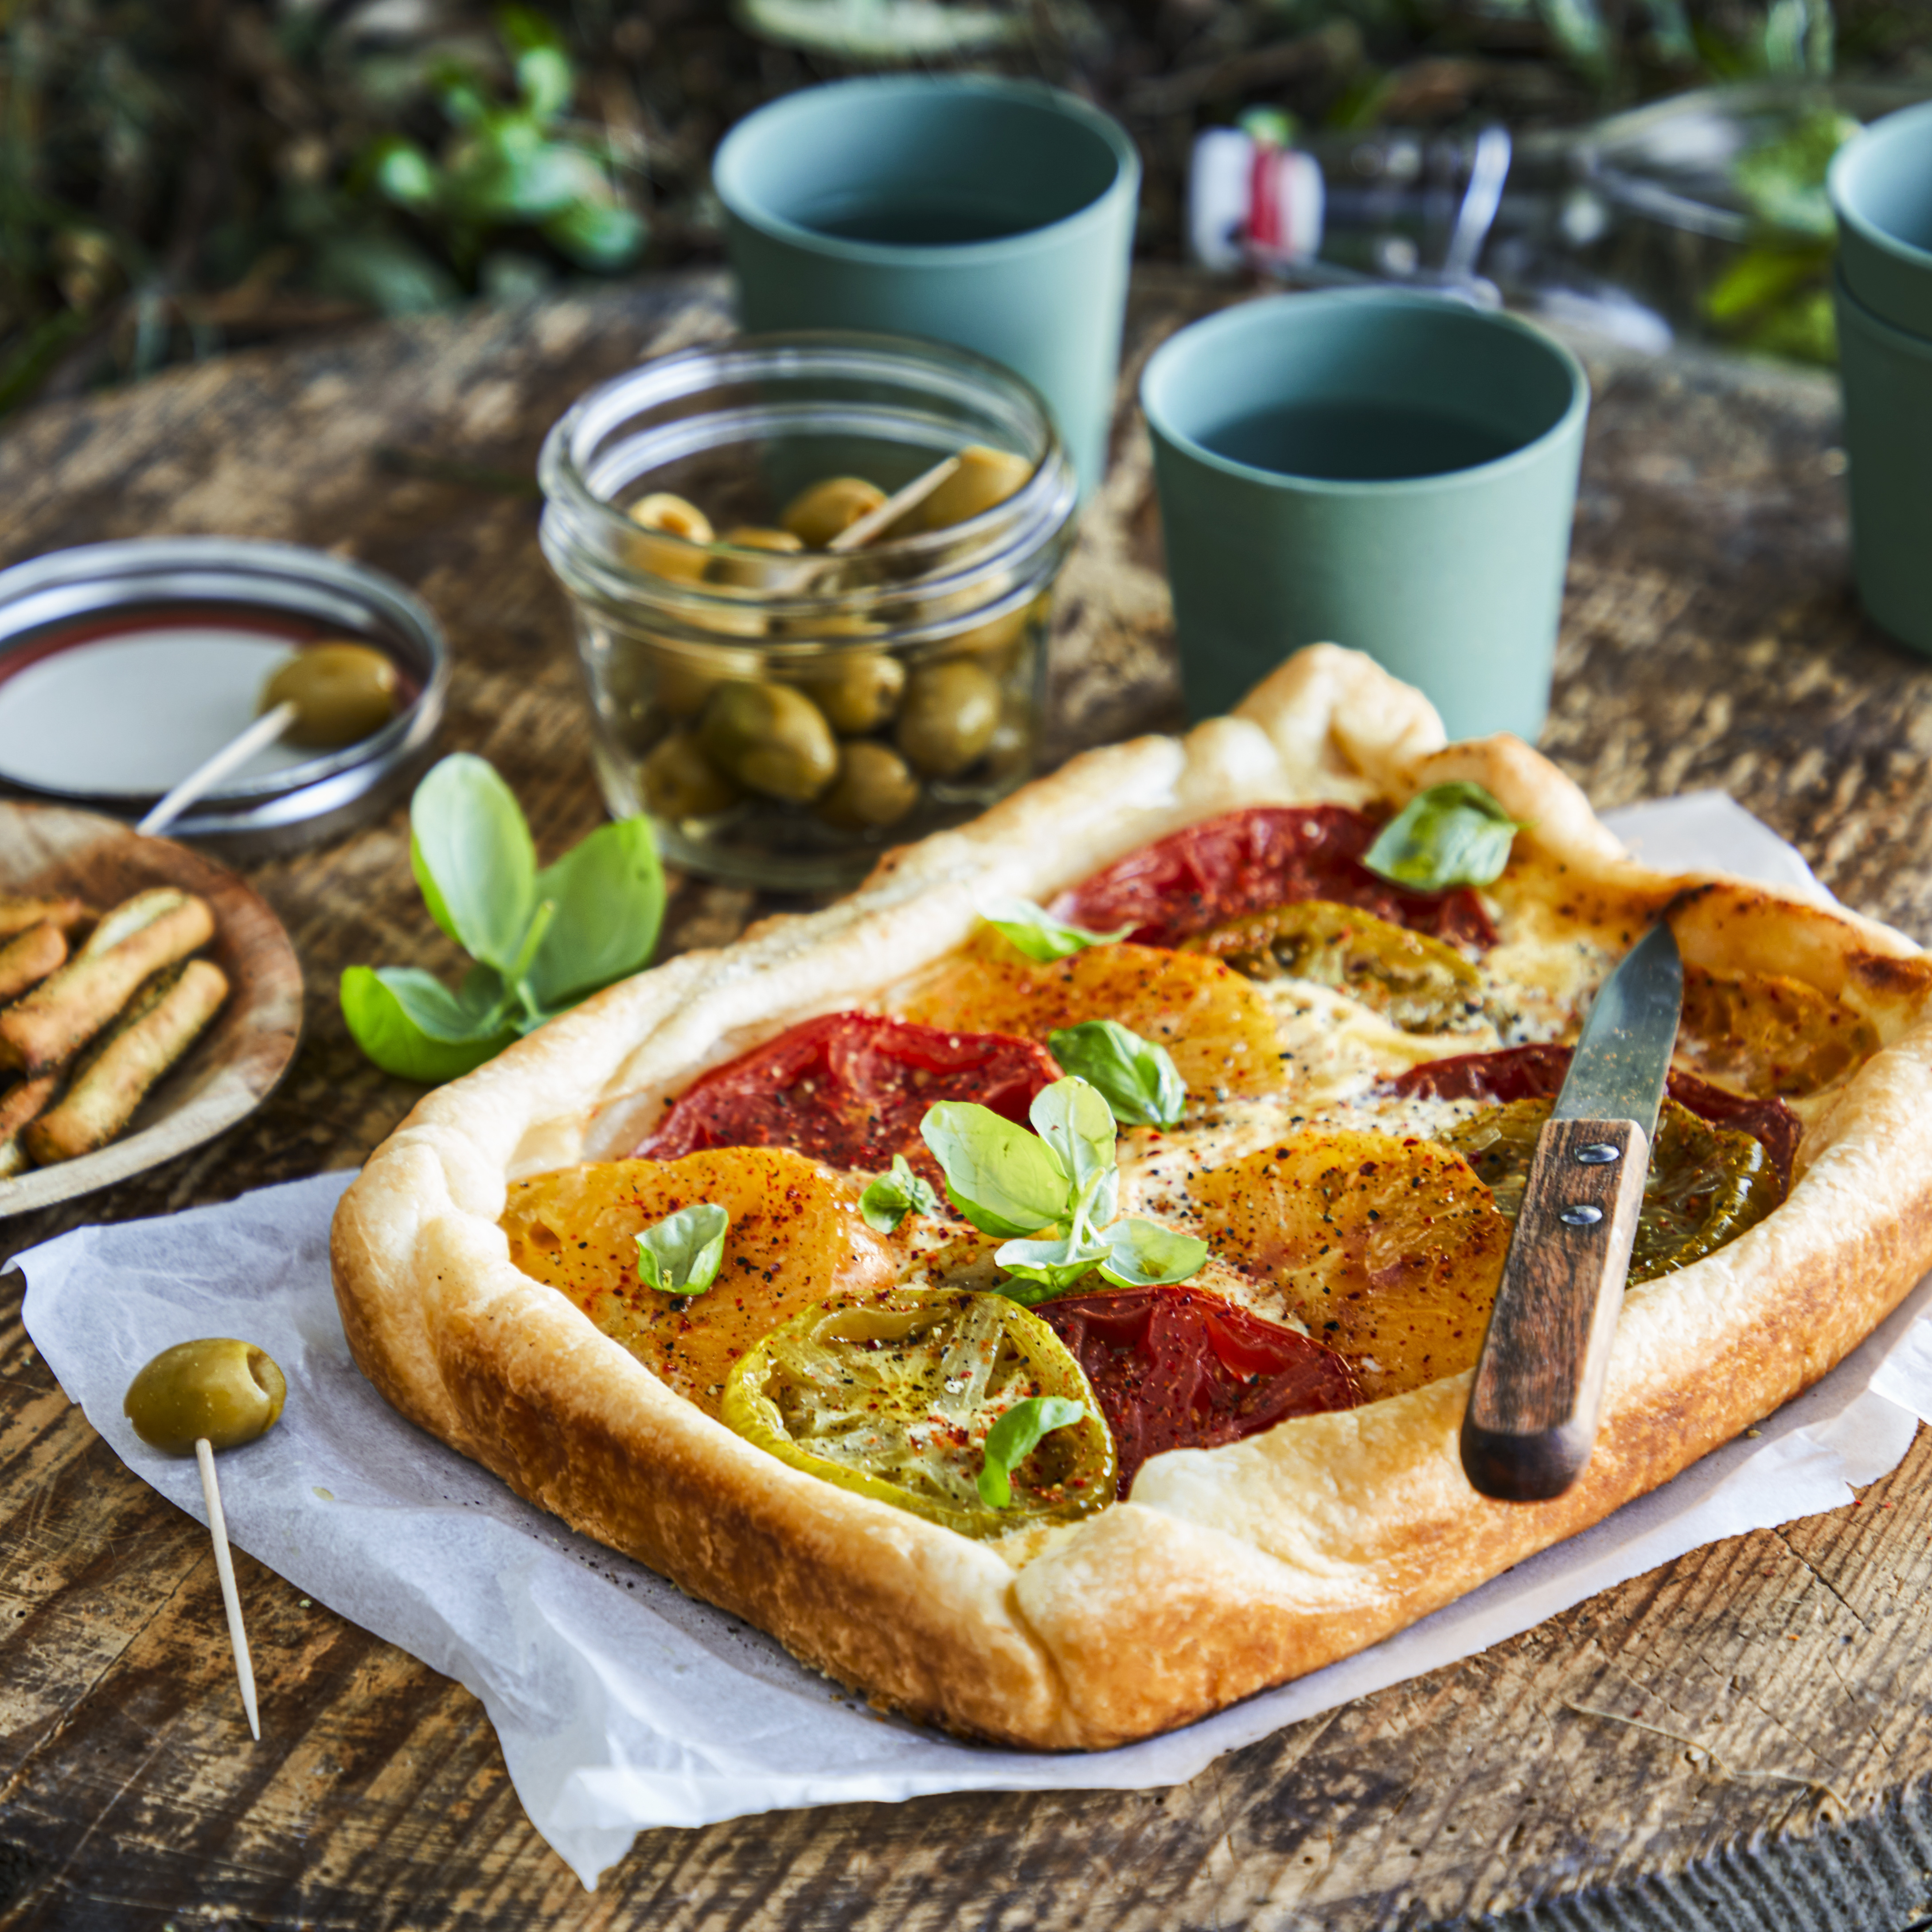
1889,275
1885,372
1452,580
1048,301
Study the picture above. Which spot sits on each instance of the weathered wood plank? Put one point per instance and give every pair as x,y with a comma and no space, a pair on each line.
1709,639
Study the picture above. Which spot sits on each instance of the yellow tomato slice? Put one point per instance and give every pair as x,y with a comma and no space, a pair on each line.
1390,1249
1218,1029
1769,1035
796,1237
892,1397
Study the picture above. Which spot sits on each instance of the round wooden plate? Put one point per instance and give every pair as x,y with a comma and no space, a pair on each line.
229,1071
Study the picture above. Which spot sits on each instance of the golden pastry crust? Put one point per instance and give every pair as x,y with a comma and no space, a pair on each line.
1232,1568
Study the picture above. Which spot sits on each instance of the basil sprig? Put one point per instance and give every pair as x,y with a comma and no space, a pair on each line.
1136,1078
542,939
681,1254
1450,835
1064,1177
1037,934
892,1196
1016,1436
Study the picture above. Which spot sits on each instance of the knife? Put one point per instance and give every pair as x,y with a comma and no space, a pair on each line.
1532,1421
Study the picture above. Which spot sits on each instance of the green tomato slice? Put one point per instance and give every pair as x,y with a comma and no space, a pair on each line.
1414,982
1706,1184
892,1398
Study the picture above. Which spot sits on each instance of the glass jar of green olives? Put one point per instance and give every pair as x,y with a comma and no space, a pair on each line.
786,702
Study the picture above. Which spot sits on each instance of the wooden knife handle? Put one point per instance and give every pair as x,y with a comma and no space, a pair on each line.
1532,1415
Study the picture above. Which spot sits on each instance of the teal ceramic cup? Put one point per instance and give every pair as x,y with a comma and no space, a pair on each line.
994,214
1880,184
1390,472
1887,377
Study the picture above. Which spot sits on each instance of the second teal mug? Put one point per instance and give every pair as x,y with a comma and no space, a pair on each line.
998,215
1395,472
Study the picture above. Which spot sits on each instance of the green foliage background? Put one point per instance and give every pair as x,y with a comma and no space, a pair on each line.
178,176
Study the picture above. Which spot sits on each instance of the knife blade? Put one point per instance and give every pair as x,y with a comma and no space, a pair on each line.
1531,1420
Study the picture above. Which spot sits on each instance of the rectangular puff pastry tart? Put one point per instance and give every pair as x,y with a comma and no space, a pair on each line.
1040,1290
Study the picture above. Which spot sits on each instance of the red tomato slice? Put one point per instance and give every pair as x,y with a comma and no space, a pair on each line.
1536,1073
1249,861
1178,1368
850,1090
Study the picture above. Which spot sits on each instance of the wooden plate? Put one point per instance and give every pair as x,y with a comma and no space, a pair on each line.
229,1071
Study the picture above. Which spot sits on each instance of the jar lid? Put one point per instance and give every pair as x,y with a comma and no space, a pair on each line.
124,665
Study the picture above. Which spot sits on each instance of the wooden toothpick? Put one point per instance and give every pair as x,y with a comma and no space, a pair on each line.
224,1565
861,530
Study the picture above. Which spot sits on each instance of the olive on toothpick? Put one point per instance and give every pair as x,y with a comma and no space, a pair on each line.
326,696
191,1400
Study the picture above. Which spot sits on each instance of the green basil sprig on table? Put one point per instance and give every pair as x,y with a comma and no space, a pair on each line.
1037,934
542,940
1010,1183
1450,835
681,1254
892,1196
1137,1078
1016,1436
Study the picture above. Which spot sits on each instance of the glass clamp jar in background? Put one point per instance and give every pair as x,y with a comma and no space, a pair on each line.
785,714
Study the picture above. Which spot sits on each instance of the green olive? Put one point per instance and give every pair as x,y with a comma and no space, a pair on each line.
816,515
985,477
860,694
873,789
747,573
947,718
770,739
342,693
682,561
229,1391
681,782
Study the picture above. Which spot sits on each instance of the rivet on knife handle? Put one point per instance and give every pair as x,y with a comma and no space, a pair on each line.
1532,1415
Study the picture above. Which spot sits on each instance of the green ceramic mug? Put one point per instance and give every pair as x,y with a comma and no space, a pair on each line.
1887,377
1392,471
995,214
1880,183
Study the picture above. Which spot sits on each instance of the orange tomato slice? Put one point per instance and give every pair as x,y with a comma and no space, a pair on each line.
1389,1248
1769,1035
796,1237
1218,1029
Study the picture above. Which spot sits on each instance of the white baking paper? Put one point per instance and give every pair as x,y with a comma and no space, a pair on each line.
622,1705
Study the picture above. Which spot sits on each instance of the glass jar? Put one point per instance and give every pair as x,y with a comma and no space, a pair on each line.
784,716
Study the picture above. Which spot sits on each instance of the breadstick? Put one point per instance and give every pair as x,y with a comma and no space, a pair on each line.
16,914
64,1012
121,922
104,1095
28,957
18,1105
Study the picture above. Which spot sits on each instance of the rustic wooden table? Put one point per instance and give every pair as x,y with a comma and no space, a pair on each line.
1737,1740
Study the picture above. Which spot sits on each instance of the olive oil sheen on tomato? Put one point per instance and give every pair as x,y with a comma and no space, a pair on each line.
1358,442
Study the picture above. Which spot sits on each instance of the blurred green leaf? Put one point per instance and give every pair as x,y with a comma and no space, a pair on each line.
607,237
403,173
1782,181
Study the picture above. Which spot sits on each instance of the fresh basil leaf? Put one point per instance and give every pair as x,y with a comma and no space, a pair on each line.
1143,1254
1055,1265
1005,1180
890,1198
608,892
681,1254
1137,1078
471,852
412,1026
1039,935
1450,835
1076,1122
1016,1436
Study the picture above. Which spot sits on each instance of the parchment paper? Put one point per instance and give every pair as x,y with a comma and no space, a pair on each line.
621,1705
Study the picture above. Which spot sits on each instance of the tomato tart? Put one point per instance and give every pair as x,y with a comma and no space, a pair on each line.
1041,1289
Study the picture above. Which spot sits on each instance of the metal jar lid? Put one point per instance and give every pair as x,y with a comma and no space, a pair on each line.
141,591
